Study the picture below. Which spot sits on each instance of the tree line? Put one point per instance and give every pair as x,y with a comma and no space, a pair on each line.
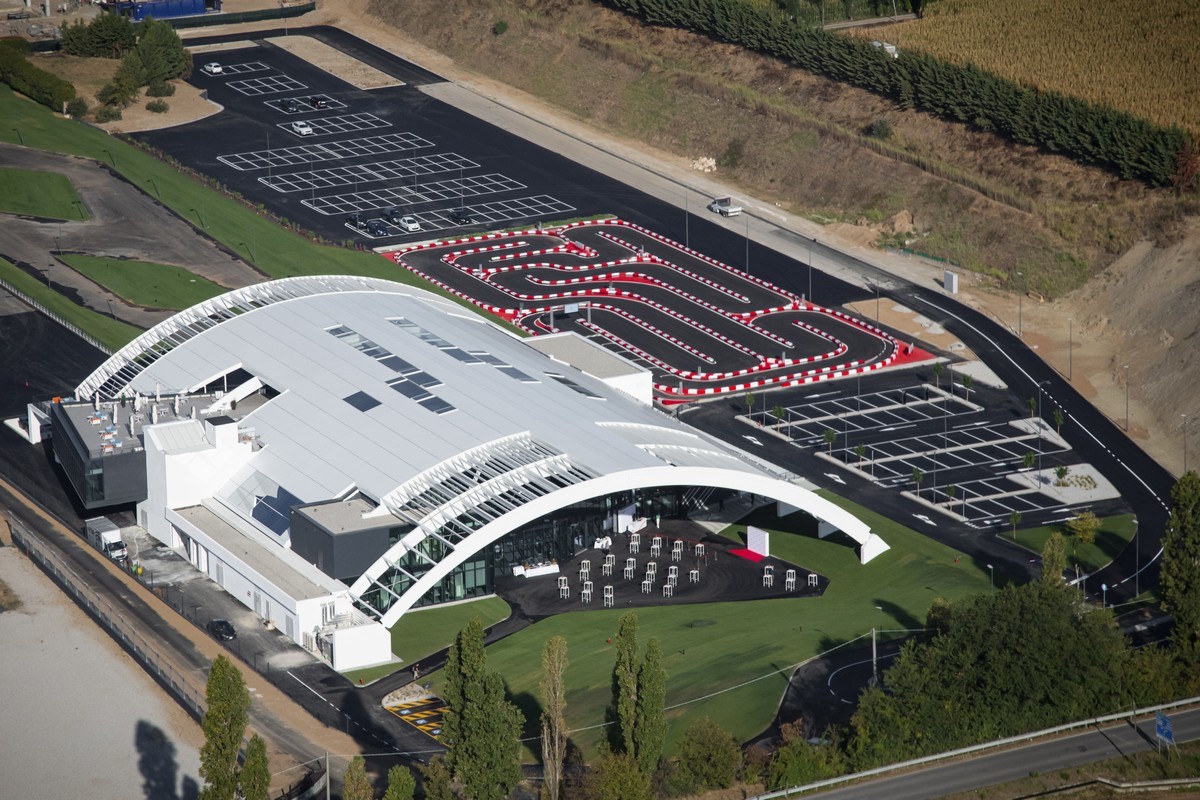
38,85
1118,141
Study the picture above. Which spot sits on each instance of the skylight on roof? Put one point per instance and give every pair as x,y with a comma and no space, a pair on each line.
570,384
362,401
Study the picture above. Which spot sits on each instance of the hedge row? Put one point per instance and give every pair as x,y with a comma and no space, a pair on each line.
1118,141
34,83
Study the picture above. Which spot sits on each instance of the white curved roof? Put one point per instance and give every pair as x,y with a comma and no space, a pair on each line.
424,407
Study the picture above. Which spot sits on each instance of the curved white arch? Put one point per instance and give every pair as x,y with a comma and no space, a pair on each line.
126,363
870,545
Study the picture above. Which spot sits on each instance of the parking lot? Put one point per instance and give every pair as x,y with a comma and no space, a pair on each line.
971,457
344,162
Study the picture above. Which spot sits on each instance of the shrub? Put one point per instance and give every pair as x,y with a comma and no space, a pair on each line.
160,89
34,83
709,758
879,129
500,27
108,114
77,108
106,36
158,106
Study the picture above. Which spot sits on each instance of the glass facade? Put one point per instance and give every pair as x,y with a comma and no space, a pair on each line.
558,536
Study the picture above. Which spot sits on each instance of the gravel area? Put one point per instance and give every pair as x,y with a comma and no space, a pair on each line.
81,718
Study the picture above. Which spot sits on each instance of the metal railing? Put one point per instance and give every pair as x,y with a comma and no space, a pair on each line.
29,301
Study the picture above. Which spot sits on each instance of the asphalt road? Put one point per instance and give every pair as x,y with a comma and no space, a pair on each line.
1118,740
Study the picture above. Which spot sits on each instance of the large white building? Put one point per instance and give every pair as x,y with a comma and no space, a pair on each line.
336,451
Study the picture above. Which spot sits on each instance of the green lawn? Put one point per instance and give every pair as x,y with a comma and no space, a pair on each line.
146,284
425,631
113,333
1114,534
744,652
39,194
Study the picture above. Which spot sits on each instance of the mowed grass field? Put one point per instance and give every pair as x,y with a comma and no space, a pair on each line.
145,284
113,333
731,661
1114,535
39,194
1138,57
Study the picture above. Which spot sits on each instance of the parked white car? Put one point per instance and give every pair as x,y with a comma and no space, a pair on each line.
302,128
212,68
410,224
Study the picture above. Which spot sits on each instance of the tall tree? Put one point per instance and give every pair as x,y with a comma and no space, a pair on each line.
355,784
481,729
625,683
400,784
435,780
1179,575
254,779
616,777
1083,527
224,725
650,723
1054,559
554,724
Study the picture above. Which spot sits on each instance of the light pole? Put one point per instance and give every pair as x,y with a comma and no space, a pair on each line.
1020,298
687,222
157,193
1126,368
110,157
811,241
992,576
1070,347
20,138
747,237
1104,595
1039,427
1137,559
1184,442
196,211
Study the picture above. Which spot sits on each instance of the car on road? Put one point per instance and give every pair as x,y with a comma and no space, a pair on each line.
409,224
356,221
212,68
375,227
459,216
221,629
289,105
302,128
318,102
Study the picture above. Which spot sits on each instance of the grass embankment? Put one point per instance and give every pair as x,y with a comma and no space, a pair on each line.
39,194
143,283
742,654
273,250
111,332
423,632
1114,535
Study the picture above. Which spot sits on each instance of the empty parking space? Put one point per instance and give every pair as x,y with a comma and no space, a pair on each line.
397,170
326,151
520,208
444,191
242,69
325,126
268,84
303,105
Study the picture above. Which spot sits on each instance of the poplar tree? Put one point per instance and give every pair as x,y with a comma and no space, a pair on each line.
650,725
625,683
254,779
400,784
224,725
554,725
356,785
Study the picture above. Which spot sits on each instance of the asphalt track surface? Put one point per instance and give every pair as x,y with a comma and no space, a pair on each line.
701,327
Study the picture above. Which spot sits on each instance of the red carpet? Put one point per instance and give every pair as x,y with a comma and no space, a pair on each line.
749,555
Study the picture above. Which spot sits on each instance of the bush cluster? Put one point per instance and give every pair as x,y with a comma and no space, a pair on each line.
158,106
34,83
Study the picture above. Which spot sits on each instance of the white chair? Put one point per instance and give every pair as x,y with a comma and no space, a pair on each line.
651,568
564,592
635,542
629,573
699,550
656,547
813,580
677,550
668,590
694,575
672,571
586,595
789,581
647,586
768,577
562,581
672,580
608,596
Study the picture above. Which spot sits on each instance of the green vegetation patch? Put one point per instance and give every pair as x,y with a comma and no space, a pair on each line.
1114,535
39,194
732,661
146,284
112,333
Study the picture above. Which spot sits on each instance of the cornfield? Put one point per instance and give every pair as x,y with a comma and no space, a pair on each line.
1141,57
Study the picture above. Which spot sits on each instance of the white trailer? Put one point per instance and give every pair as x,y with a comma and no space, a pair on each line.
105,536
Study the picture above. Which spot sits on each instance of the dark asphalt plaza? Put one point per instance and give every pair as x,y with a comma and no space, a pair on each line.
700,326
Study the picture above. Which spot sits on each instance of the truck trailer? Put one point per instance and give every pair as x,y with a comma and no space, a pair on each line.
105,536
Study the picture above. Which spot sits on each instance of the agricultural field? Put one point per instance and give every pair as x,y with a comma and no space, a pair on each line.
1138,57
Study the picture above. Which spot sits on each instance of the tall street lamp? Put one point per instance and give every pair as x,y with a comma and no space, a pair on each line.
1070,347
1126,368
1020,298
1104,595
1184,442
992,576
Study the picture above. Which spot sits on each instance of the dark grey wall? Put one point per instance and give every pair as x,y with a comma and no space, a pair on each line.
341,555
122,476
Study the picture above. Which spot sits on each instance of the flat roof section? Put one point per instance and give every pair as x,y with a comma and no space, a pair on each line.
585,355
293,575
347,516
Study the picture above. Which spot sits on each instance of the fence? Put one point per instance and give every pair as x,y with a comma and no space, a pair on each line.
24,298
185,688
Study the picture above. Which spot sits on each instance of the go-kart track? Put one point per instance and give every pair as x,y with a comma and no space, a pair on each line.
701,327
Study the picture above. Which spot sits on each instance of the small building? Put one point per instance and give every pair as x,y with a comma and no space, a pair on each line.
138,10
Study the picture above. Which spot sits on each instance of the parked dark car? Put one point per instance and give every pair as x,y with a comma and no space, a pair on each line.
356,221
459,216
375,227
289,105
222,629
393,215
318,102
